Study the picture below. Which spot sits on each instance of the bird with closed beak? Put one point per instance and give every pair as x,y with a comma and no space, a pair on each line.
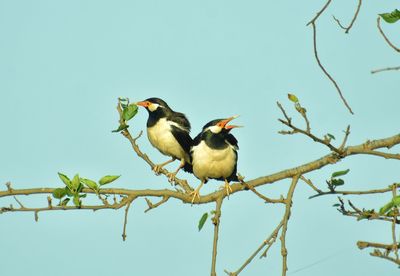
214,154
168,131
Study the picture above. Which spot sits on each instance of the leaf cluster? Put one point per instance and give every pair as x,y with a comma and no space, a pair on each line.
73,188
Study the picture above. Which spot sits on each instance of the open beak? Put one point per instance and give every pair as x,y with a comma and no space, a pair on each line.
229,127
223,123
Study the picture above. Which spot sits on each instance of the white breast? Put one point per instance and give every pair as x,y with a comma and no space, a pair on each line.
212,163
160,137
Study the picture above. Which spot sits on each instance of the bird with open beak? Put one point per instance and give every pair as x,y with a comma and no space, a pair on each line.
214,154
168,131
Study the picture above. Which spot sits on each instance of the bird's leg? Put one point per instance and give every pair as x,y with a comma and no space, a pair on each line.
196,193
172,175
228,188
157,168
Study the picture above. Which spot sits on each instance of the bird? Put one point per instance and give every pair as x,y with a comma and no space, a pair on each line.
169,132
214,154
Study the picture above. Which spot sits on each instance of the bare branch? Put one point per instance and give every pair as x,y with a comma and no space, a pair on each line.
128,205
289,201
369,192
307,132
378,24
385,69
319,13
347,29
314,27
364,244
216,221
152,206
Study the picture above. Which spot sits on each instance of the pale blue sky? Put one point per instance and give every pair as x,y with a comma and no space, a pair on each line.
63,64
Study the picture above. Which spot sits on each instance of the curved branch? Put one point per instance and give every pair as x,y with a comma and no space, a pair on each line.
385,69
314,27
378,24
347,29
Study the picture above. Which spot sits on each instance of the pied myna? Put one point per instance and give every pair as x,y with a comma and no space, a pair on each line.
214,154
168,131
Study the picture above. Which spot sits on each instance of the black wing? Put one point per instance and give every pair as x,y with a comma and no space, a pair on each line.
181,120
232,140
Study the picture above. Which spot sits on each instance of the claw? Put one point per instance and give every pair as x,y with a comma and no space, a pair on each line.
196,193
171,177
228,188
157,169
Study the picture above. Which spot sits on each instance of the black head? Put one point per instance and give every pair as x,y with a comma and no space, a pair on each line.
153,104
219,125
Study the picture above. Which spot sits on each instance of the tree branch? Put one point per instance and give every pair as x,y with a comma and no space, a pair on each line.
216,221
378,24
385,69
347,29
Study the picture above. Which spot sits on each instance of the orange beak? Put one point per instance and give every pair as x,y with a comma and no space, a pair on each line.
223,123
144,103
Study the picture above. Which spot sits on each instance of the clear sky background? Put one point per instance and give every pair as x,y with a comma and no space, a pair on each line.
63,64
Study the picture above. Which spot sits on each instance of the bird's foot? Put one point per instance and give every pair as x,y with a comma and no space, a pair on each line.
171,177
195,195
228,188
157,169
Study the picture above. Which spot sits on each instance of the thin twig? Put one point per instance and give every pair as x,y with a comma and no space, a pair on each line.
216,222
305,132
267,242
314,27
369,192
286,217
378,23
263,197
385,69
152,206
128,205
309,183
319,13
347,29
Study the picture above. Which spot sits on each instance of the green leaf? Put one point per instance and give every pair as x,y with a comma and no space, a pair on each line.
82,195
331,136
202,220
396,201
337,182
340,173
68,191
64,202
391,17
65,179
130,111
59,193
386,208
77,201
293,98
336,205
90,184
121,128
108,179
75,182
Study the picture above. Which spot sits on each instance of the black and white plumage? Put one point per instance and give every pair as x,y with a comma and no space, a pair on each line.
214,154
168,131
